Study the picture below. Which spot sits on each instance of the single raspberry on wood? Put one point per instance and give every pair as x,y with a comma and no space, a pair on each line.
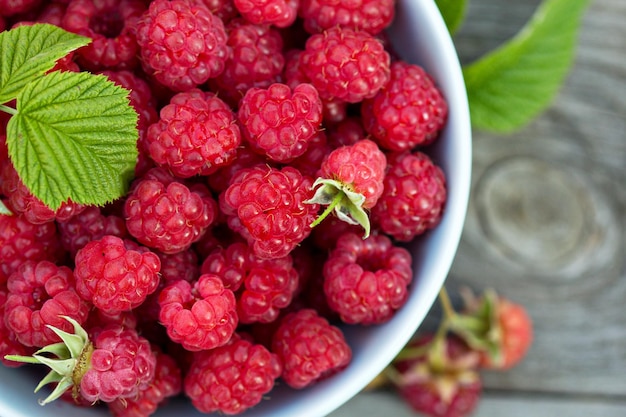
267,206
366,280
310,348
21,240
231,378
164,214
351,181
39,295
109,24
280,13
199,316
263,286
256,61
196,134
280,122
113,277
345,64
409,111
182,44
372,16
414,196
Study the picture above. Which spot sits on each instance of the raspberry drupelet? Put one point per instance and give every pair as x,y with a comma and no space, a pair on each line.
409,111
231,378
345,64
115,278
414,196
196,134
366,280
164,214
199,316
280,13
372,16
310,348
182,44
110,24
267,207
280,122
39,294
9,345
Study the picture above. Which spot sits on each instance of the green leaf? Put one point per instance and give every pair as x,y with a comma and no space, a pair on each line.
511,85
74,137
27,52
453,13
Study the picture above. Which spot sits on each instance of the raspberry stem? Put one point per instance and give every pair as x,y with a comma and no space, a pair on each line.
8,109
338,197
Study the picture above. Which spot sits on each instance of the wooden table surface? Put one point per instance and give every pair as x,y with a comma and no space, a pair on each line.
546,227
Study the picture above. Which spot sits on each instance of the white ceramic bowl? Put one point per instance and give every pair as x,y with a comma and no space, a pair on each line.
420,36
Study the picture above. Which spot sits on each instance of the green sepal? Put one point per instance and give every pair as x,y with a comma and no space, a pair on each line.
62,386
340,198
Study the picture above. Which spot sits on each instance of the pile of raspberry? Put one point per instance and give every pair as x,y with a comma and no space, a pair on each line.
257,120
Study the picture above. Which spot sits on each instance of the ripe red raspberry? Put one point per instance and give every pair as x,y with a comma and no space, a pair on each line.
365,280
413,198
280,13
165,214
224,9
199,317
263,286
109,23
90,224
409,111
21,200
346,65
182,44
267,206
196,134
9,345
346,132
13,7
279,122
113,277
231,378
310,161
167,383
244,158
310,348
350,181
182,265
443,381
372,16
39,294
122,364
21,240
256,61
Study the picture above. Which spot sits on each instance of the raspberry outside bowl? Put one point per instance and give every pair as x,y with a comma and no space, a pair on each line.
419,35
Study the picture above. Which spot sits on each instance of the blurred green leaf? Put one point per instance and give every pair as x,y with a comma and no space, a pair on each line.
453,13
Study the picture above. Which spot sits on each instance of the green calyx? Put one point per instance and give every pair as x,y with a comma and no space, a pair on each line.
340,198
68,360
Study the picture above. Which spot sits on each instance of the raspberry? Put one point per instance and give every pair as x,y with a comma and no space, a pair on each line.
443,381
196,134
165,214
109,24
182,44
39,294
310,348
200,317
267,206
365,280
90,224
13,7
409,111
372,16
224,9
167,383
279,122
263,286
413,198
231,378
122,364
280,13
113,277
244,158
182,265
346,132
21,200
21,240
310,161
9,345
346,65
351,180
256,60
